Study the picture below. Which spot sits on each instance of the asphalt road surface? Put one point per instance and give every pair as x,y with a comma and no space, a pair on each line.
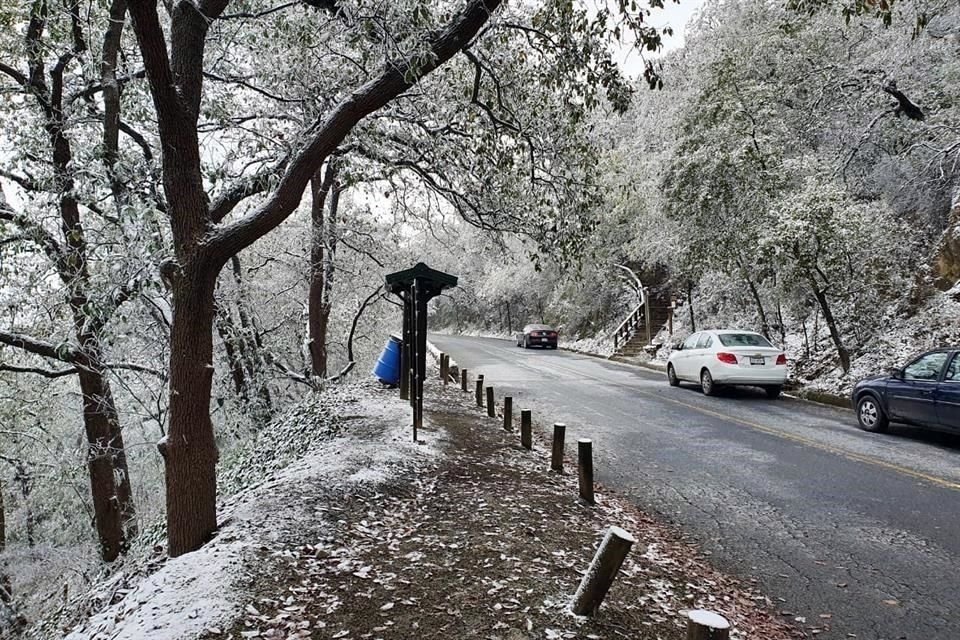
831,520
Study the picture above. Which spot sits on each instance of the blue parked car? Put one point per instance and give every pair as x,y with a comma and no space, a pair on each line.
925,393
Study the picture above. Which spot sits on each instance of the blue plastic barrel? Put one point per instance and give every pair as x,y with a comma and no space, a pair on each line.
388,365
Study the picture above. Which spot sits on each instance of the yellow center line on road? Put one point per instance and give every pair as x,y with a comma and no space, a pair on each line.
773,431
786,435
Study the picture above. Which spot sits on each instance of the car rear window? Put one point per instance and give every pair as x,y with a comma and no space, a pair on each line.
953,371
743,340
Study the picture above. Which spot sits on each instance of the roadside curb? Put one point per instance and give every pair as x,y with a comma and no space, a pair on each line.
652,366
614,358
797,394
821,397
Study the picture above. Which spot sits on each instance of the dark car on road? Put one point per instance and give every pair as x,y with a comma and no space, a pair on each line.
537,335
925,393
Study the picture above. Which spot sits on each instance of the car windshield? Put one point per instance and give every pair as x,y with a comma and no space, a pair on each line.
743,340
538,327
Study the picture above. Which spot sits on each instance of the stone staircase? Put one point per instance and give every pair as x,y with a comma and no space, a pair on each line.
632,338
633,347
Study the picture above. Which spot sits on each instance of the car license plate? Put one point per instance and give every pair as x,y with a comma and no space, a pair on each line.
756,360
543,339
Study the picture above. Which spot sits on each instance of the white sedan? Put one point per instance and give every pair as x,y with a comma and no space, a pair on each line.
718,358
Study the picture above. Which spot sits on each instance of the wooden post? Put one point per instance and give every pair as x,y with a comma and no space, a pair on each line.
526,428
406,349
585,470
444,368
507,413
707,625
479,391
559,435
670,321
646,314
420,298
463,379
602,571
491,408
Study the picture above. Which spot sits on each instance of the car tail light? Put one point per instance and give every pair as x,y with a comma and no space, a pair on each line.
782,358
729,358
552,334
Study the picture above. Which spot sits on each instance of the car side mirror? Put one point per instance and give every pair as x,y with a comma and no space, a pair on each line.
678,346
896,373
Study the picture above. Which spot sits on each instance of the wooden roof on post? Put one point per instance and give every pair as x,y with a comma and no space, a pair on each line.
401,280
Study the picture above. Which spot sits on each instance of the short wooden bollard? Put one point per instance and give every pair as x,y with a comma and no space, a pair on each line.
444,368
526,429
707,625
463,379
491,407
507,413
602,571
479,391
559,435
585,470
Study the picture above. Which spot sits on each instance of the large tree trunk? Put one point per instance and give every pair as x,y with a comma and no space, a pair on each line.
112,500
322,252
203,246
189,450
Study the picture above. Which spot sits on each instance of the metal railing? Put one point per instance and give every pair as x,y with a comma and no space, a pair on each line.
628,328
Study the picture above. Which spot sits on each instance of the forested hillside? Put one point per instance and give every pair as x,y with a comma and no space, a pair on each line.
797,174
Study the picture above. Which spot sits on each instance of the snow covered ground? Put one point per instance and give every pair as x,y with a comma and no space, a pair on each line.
311,452
338,526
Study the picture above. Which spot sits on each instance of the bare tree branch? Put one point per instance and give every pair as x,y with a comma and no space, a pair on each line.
353,329
259,14
246,187
46,373
64,352
243,83
328,133
139,368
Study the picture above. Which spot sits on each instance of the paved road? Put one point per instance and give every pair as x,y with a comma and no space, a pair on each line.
830,519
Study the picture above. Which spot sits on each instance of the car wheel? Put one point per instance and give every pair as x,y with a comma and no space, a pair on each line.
707,384
773,392
672,376
870,416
